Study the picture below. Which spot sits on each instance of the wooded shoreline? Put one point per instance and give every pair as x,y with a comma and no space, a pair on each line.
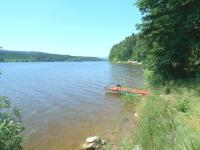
24,56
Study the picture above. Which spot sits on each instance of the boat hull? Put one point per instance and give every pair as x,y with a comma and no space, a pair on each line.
123,90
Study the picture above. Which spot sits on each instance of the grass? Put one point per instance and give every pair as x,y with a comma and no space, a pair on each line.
169,119
162,126
131,98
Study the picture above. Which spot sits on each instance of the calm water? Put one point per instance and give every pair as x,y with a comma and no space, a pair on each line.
65,102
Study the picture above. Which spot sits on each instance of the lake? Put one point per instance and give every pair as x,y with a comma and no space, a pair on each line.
65,102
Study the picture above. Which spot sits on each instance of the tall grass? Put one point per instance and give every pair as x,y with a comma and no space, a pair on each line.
161,127
170,118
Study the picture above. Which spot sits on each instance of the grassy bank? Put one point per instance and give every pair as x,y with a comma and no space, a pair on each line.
168,119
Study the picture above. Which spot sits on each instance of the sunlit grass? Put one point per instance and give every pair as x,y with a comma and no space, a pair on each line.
131,98
169,119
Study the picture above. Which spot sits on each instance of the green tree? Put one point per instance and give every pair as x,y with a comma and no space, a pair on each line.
172,27
139,50
133,47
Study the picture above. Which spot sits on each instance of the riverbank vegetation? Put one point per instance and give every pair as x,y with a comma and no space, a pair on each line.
22,56
169,118
11,126
168,45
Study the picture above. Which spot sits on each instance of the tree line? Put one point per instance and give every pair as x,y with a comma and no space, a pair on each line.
22,56
131,48
168,41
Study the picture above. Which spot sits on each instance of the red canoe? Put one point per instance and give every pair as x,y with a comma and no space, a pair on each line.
116,89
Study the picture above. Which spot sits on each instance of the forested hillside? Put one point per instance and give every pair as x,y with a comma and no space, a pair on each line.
22,56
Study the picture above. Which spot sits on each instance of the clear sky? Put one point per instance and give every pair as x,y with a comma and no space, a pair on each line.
75,27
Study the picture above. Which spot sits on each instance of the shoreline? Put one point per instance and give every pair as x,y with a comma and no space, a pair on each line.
127,62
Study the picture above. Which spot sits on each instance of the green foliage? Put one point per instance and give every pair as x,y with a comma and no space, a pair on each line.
128,145
14,56
161,127
172,27
167,90
154,80
183,104
119,53
198,78
11,127
139,49
131,98
123,50
131,48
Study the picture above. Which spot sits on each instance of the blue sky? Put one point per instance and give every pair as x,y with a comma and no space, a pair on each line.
75,27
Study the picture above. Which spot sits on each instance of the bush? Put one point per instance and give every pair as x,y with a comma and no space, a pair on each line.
183,104
167,90
11,127
154,80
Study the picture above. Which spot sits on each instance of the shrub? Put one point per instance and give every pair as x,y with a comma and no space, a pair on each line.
167,90
154,80
11,127
183,104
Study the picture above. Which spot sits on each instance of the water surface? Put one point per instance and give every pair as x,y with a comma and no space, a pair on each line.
65,102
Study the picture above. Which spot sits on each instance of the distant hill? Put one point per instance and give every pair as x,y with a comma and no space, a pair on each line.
25,56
